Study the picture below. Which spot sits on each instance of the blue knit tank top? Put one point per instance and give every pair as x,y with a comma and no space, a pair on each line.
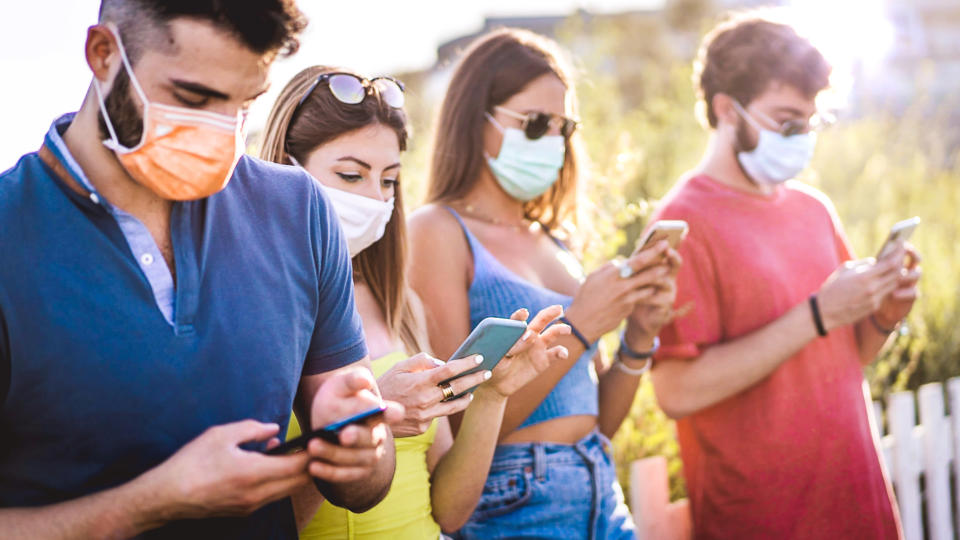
496,291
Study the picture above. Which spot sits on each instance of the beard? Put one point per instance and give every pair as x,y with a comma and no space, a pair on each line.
124,113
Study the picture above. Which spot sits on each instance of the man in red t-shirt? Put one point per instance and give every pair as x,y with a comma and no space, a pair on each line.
764,373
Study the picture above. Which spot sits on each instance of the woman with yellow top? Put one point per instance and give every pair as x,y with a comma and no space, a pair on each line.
348,132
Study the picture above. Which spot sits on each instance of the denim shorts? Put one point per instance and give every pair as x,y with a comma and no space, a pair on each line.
548,490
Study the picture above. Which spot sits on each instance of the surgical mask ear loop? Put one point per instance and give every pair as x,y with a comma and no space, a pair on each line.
133,80
497,125
747,116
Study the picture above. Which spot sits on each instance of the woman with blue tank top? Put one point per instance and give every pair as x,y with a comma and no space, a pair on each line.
348,133
502,185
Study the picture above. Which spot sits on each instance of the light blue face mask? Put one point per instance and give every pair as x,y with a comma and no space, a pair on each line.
526,168
777,158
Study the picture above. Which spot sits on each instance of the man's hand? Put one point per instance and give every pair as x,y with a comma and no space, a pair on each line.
413,384
361,446
858,288
897,304
213,476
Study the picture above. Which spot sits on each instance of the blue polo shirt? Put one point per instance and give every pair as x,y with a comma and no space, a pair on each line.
96,386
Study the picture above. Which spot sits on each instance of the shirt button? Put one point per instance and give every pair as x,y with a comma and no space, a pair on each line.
146,259
94,198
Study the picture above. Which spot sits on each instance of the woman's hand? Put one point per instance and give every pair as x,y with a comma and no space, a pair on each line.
413,384
530,356
605,298
651,313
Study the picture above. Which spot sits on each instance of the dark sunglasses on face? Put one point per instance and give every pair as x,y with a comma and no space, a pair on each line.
351,89
536,124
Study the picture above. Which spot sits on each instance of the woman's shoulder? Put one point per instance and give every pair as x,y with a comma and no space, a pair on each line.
435,225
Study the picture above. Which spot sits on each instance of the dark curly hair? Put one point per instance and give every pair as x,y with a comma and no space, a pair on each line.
264,26
744,55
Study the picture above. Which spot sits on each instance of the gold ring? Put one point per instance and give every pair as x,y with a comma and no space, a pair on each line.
447,391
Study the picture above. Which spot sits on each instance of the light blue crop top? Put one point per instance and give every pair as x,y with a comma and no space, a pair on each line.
496,291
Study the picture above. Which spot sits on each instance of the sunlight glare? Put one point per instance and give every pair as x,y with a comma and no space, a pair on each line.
854,35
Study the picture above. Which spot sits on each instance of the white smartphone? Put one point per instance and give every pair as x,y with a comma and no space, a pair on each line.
671,230
899,234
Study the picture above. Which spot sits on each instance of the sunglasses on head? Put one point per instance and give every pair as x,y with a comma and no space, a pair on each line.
536,124
352,89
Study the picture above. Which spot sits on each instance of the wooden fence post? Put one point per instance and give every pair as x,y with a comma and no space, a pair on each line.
655,516
901,416
936,462
953,391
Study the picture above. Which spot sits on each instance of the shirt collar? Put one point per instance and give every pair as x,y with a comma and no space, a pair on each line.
54,140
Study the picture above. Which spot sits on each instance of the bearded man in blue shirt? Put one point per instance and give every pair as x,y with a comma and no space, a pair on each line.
165,300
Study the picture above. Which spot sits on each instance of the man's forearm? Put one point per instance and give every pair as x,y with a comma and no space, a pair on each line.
121,512
684,387
362,495
870,341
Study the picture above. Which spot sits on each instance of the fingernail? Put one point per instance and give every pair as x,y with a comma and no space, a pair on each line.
469,397
438,363
564,353
478,359
487,375
526,336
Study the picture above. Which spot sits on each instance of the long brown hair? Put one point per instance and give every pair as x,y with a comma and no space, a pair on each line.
297,130
494,68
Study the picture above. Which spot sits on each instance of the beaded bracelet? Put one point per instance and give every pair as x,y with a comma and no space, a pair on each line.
576,333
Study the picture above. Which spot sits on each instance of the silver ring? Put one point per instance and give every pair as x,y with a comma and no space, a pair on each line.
447,391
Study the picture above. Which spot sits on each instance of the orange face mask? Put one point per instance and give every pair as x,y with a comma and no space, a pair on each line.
183,154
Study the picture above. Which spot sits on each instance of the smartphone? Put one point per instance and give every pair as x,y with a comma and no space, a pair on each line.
671,230
329,433
493,338
899,234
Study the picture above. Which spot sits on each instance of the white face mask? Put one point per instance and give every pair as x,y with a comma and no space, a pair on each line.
362,219
777,158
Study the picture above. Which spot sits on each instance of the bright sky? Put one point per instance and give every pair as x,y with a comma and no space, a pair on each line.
44,72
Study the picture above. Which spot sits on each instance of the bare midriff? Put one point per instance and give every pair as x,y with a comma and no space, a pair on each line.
564,430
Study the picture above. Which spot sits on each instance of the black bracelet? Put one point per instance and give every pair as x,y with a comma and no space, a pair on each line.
817,320
576,333
882,330
645,355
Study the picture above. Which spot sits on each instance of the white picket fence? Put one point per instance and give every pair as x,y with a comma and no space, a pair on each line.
921,458
929,450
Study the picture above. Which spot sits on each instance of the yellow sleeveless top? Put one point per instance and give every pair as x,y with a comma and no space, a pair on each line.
405,513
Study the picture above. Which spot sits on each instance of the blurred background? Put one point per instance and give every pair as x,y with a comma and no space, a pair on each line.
894,152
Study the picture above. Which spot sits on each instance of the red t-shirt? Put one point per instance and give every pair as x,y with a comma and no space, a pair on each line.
794,455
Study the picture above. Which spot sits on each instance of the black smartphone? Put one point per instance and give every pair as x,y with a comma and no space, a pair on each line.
329,433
